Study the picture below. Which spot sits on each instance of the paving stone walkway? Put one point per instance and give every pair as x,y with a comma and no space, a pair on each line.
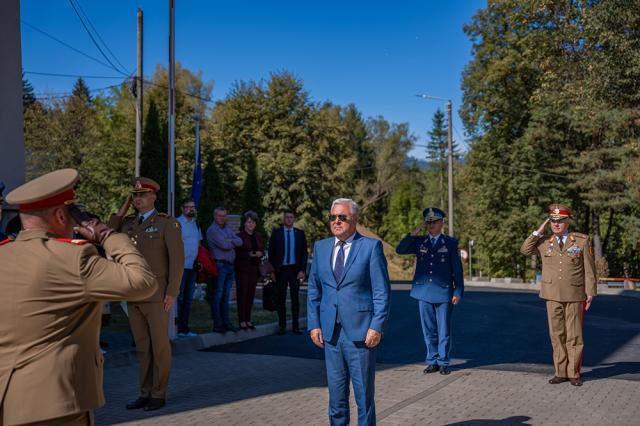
209,388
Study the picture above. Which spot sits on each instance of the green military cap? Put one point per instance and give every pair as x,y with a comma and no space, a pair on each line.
559,211
50,190
143,184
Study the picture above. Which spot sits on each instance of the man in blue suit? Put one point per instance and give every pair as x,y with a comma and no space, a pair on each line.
437,284
348,305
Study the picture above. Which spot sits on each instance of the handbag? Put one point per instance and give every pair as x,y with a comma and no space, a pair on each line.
269,299
265,268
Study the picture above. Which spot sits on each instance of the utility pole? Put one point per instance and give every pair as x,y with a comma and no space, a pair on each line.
172,112
450,169
172,128
450,157
139,92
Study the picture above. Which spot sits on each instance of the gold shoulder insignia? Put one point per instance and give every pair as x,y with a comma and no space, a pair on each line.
160,214
579,235
72,241
130,216
176,224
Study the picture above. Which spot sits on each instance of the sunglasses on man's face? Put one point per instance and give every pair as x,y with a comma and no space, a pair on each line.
342,217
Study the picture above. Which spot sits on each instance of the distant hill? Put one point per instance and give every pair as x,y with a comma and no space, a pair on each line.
400,267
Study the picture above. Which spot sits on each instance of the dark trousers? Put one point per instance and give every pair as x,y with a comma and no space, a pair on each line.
246,280
184,299
287,276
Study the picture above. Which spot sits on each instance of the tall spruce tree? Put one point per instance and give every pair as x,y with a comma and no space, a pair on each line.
437,151
153,156
212,194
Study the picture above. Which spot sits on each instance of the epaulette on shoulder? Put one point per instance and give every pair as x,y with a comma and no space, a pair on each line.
579,235
450,238
130,216
160,214
72,241
6,241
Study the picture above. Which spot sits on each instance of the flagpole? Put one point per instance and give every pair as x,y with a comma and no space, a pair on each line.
172,151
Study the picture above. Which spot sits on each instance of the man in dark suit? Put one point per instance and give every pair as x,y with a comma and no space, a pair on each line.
288,256
347,310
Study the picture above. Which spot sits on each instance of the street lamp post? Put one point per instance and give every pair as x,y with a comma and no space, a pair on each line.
449,156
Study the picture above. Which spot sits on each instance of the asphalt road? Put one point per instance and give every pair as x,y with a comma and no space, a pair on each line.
494,329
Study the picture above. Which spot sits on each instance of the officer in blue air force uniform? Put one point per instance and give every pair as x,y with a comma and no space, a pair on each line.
437,284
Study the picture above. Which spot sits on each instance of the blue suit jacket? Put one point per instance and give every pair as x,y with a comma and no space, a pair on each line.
438,275
362,296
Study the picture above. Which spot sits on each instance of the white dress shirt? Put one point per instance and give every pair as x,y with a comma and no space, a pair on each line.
346,249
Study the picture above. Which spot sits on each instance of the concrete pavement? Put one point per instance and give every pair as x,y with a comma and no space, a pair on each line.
502,361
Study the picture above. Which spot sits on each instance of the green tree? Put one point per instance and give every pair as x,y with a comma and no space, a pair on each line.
212,194
153,156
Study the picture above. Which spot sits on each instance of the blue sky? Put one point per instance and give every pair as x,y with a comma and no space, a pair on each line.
377,55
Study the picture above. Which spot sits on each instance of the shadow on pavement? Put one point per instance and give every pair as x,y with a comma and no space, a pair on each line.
513,420
502,329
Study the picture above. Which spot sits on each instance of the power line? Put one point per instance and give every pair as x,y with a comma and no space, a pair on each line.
99,37
69,46
92,38
42,96
193,95
73,75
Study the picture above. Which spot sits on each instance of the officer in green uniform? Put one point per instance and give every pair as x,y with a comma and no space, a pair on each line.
159,239
568,285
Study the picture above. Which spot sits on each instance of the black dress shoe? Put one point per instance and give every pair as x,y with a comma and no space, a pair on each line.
576,382
444,370
154,404
251,326
138,403
297,331
555,380
432,368
231,328
282,332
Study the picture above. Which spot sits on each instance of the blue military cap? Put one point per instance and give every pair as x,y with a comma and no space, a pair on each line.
432,214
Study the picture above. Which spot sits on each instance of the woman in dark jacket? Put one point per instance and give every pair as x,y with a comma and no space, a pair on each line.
248,268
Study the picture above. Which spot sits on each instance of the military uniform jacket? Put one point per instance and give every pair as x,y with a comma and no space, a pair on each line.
50,360
438,275
568,275
159,239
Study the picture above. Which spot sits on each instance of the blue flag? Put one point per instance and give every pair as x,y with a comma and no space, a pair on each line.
197,172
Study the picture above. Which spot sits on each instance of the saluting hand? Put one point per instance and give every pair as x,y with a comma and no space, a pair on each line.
372,339
418,230
542,227
168,301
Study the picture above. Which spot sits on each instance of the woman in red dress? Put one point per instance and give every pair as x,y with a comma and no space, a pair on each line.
247,264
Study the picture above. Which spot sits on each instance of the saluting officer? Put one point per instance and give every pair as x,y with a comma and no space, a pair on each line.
438,284
568,285
52,288
159,239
